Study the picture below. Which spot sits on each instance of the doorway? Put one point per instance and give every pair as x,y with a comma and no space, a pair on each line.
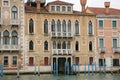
31,61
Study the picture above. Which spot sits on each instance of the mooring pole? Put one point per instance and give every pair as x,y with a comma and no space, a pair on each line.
78,68
111,64
88,68
35,67
85,68
65,67
38,65
92,68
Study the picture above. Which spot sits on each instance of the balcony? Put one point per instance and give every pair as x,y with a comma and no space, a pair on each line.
116,50
62,34
14,22
62,51
102,50
9,47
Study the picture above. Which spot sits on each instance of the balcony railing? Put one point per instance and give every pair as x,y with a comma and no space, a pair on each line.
14,22
62,51
102,50
61,34
9,47
116,50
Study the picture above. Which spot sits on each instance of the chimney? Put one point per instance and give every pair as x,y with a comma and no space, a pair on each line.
38,4
83,3
107,5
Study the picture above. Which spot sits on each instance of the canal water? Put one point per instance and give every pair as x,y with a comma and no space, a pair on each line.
63,77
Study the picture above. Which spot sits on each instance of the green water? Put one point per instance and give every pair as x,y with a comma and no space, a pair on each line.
63,77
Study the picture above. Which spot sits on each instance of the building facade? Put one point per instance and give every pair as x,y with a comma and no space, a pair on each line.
56,34
11,33
108,35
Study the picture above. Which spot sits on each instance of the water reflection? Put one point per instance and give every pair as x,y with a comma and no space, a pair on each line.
63,77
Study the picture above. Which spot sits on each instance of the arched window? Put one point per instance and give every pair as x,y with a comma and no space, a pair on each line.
69,26
14,12
45,45
31,26
54,45
6,39
64,45
90,28
90,46
31,45
14,38
53,25
58,26
68,45
76,27
59,45
77,46
64,26
45,26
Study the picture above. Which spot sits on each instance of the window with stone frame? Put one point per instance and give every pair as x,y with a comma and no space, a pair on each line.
90,46
14,12
31,45
31,26
14,38
90,28
6,63
45,45
45,26
76,27
6,38
15,60
77,46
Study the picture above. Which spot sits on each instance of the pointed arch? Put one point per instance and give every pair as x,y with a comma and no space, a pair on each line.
53,25
31,45
76,27
6,38
90,28
77,46
14,12
31,26
45,26
45,45
64,26
59,45
64,45
58,26
54,45
69,26
14,38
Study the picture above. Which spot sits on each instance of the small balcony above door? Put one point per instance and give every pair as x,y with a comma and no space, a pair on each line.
15,22
9,47
116,50
102,50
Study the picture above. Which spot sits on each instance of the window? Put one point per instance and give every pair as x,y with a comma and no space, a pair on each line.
77,46
5,3
64,26
90,46
46,61
45,26
14,12
54,45
114,43
31,45
31,26
53,26
102,62
6,38
90,30
58,8
115,62
101,43
68,45
58,26
69,9
100,23
6,60
64,45
114,24
91,60
77,60
76,27
14,60
45,45
14,38
0,12
59,45
69,26
52,8
63,8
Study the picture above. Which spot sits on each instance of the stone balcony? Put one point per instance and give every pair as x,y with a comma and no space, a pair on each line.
62,34
116,50
61,51
102,50
9,47
14,22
